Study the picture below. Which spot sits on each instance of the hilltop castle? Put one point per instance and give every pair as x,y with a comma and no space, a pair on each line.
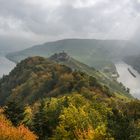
62,56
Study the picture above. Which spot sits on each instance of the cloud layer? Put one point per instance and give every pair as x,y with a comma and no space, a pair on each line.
44,20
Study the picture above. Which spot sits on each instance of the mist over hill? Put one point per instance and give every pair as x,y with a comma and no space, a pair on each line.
96,53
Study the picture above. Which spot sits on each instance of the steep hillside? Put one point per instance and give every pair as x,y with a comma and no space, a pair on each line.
37,77
96,53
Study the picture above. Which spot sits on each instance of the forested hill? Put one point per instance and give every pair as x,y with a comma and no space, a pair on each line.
57,102
35,78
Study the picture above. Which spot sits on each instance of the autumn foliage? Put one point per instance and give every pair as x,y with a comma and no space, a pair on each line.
59,103
9,132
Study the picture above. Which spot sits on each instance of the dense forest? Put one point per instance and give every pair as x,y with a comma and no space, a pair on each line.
42,99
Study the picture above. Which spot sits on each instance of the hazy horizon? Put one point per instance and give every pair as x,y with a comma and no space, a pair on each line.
26,23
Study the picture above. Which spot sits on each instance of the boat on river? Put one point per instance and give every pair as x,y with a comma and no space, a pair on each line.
131,73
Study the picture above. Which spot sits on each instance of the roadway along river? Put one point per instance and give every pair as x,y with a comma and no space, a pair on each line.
128,80
5,66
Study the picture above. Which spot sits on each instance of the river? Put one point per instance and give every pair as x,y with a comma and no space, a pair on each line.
128,80
5,65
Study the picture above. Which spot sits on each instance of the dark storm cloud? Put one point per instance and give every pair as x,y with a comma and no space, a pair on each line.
53,19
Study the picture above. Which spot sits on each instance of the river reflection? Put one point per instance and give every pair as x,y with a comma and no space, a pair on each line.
128,80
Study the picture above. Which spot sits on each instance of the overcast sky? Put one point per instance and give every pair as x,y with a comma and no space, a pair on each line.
27,22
